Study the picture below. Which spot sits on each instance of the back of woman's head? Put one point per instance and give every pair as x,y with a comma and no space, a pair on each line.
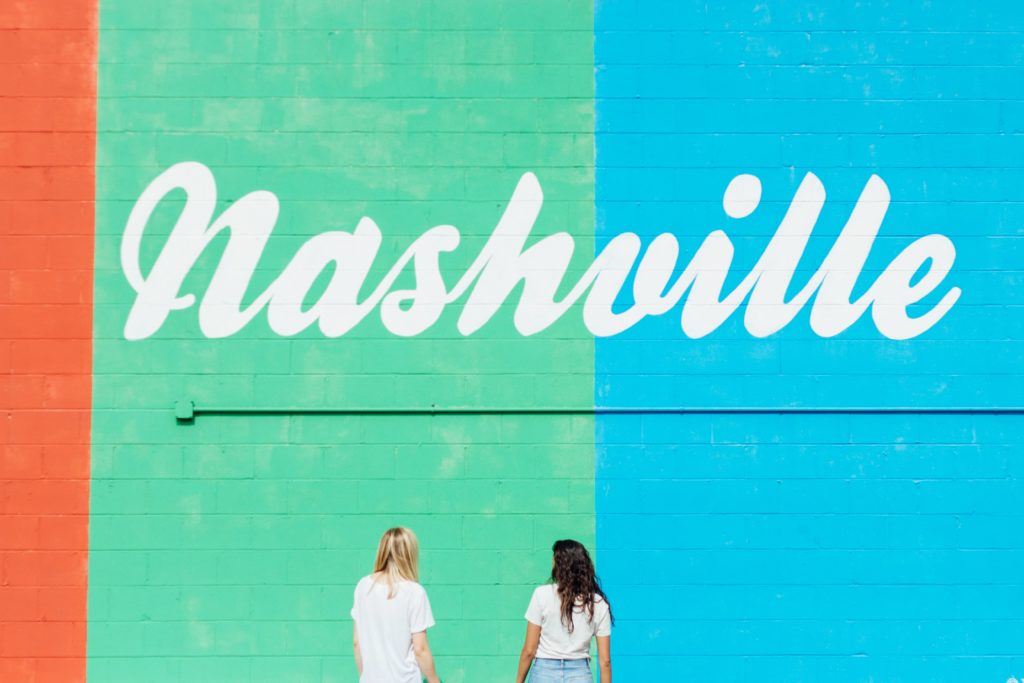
578,585
398,557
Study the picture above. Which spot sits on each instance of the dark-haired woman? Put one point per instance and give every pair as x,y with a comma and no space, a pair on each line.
562,618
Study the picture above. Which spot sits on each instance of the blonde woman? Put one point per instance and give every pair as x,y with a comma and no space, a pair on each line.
563,617
391,616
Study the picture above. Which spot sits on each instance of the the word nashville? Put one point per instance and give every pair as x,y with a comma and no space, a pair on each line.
505,261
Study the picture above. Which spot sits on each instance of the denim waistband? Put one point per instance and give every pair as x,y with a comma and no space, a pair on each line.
563,663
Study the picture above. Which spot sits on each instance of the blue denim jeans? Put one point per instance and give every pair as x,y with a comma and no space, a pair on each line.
561,671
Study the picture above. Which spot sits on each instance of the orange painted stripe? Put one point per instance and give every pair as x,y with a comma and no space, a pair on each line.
47,156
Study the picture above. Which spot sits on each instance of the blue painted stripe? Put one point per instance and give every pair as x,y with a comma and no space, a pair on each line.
815,547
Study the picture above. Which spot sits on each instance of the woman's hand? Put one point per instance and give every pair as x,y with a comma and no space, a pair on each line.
355,647
421,649
604,657
529,651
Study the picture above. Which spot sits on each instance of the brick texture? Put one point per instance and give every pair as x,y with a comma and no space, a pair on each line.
830,546
847,547
227,550
47,99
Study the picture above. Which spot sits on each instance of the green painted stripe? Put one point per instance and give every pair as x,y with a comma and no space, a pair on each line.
227,550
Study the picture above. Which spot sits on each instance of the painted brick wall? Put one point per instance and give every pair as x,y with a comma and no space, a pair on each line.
227,550
815,547
47,114
854,547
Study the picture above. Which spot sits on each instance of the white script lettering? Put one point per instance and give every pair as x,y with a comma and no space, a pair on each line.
505,261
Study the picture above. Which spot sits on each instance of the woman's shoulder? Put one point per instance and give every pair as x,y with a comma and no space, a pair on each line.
545,591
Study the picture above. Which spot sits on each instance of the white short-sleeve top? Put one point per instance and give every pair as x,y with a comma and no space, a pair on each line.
555,640
385,627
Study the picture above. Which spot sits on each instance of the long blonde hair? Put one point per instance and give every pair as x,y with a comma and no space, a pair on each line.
398,557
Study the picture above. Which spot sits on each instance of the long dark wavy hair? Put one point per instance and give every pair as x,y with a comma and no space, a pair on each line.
578,585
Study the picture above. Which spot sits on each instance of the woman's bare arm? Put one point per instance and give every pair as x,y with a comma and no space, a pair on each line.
604,657
421,648
355,647
529,651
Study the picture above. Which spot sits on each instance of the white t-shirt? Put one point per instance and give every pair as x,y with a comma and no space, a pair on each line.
385,629
555,640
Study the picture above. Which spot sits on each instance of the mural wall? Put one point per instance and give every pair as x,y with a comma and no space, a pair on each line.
853,546
728,291
228,549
